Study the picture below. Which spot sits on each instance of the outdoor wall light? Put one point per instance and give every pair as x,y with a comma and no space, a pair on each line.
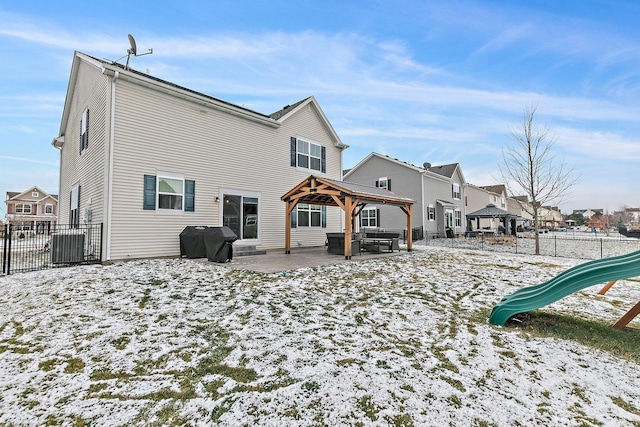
217,199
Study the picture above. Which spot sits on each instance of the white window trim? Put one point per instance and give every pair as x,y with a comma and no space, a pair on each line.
310,226
457,216
23,210
375,217
456,190
386,182
170,175
429,210
83,129
309,156
45,209
35,194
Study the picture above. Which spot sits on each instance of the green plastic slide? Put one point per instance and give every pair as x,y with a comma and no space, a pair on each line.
570,281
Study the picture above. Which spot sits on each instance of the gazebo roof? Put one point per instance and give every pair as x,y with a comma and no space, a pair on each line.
491,211
322,191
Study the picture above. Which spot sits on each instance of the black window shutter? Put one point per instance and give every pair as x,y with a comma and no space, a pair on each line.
323,159
81,140
79,204
71,211
86,133
149,196
189,195
378,217
294,218
377,183
324,217
294,142
389,184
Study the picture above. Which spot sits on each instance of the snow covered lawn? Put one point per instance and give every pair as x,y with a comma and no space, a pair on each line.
391,341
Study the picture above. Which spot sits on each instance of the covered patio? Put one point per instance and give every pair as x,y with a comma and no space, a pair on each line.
350,197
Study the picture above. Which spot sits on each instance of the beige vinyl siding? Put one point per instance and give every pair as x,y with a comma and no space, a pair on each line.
88,169
157,132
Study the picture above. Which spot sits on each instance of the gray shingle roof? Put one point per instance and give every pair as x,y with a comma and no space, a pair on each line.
280,113
444,170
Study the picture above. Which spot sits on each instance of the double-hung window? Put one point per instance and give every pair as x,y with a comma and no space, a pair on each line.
456,191
169,193
311,216
48,209
74,207
458,218
432,213
84,130
308,155
369,217
24,209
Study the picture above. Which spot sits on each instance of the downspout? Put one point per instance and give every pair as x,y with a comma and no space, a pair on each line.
423,198
114,76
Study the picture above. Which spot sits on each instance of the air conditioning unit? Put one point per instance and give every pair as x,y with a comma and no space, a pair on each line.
67,248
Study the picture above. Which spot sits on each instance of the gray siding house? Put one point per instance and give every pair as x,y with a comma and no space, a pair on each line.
146,158
437,190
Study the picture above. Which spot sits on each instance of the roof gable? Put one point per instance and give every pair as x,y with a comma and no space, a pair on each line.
289,110
12,195
444,171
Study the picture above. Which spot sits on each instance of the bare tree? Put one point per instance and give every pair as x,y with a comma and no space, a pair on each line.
530,167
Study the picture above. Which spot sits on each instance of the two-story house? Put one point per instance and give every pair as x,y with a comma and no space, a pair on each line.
478,197
146,158
32,210
550,217
437,190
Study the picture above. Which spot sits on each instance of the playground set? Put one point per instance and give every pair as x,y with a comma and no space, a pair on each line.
572,280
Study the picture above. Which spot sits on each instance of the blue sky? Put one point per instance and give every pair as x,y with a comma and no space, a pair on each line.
437,81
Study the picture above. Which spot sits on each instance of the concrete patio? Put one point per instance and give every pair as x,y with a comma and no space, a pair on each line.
277,261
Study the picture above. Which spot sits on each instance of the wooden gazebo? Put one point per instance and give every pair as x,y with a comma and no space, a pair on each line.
349,196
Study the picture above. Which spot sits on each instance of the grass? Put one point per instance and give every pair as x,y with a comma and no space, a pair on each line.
592,333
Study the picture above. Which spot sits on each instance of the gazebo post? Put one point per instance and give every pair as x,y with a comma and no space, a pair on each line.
348,223
287,229
409,227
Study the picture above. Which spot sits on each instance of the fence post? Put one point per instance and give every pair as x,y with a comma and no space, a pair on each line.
4,248
9,250
555,246
601,252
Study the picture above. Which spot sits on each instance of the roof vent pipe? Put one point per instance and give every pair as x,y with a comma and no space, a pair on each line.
426,165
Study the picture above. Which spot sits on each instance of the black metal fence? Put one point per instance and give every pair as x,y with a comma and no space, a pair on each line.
584,245
417,233
61,246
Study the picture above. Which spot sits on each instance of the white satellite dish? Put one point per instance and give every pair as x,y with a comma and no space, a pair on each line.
134,50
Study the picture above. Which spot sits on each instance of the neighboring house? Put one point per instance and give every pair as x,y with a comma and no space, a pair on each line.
437,190
32,210
634,213
550,217
519,205
146,158
478,197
